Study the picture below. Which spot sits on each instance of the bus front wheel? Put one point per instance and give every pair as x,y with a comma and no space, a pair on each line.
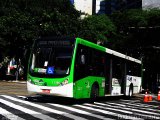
94,91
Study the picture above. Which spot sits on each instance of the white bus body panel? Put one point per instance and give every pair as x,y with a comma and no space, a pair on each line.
116,87
136,81
65,90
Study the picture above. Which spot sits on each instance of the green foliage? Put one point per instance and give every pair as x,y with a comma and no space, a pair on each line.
136,18
21,21
137,28
153,17
97,28
130,18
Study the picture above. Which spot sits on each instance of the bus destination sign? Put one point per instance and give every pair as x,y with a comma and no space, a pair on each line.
54,43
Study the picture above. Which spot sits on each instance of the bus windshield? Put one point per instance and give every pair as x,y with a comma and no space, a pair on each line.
51,61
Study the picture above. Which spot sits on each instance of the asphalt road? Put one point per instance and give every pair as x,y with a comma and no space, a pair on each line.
50,108
16,104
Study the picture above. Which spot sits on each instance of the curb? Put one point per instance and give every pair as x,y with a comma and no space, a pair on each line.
17,81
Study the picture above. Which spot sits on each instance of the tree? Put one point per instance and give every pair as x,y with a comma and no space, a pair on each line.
22,21
97,28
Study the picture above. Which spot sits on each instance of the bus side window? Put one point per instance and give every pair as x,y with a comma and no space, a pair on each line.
133,69
97,63
117,68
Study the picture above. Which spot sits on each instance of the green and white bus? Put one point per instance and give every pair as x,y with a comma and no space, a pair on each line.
77,68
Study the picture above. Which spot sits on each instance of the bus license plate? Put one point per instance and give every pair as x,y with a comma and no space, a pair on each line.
45,90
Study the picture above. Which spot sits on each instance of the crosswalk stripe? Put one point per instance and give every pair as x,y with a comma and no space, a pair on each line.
9,115
141,111
45,108
80,111
115,104
99,110
124,111
25,110
141,106
22,96
129,100
129,109
137,104
137,101
153,106
132,109
126,108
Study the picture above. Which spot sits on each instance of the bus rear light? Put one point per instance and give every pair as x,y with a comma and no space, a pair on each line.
65,82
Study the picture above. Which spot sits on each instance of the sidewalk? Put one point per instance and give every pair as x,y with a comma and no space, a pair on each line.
13,87
16,81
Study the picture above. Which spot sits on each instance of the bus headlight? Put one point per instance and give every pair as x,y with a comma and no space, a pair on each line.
30,81
65,82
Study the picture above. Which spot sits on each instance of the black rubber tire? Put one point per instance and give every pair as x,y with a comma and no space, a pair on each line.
94,92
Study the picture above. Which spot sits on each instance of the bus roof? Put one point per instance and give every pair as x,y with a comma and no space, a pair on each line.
107,50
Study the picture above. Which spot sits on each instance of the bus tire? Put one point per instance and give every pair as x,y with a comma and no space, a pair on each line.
94,92
130,91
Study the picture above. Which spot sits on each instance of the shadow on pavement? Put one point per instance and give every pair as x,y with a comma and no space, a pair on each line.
70,101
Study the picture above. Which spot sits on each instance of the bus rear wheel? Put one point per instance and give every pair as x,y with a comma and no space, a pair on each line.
94,92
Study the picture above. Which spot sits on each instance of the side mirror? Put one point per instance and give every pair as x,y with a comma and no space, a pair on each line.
83,59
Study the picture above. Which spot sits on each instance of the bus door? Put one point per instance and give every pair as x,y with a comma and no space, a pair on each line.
124,72
108,74
118,76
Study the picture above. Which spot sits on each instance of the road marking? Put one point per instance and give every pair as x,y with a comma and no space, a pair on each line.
124,111
45,108
133,101
25,110
118,109
102,111
9,115
132,109
129,100
141,111
80,111
142,106
154,106
21,96
122,105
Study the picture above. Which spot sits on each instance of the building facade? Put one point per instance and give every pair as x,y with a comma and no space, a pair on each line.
91,7
150,4
121,5
85,6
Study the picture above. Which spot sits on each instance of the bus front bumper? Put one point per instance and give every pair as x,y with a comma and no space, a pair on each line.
65,91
